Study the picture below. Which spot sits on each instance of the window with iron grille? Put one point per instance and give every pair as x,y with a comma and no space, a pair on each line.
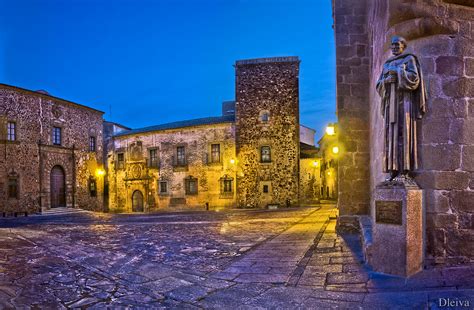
215,153
120,161
13,188
11,131
265,189
163,187
57,135
92,144
265,156
180,156
153,158
191,186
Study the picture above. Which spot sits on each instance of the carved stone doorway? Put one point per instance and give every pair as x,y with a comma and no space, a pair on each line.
137,201
58,187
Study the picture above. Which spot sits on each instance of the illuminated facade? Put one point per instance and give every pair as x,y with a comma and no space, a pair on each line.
51,151
248,157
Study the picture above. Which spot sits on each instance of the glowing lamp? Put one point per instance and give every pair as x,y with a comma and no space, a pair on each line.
330,130
99,172
315,163
335,149
232,161
329,172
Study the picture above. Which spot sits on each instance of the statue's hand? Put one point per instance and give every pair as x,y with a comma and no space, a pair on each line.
390,79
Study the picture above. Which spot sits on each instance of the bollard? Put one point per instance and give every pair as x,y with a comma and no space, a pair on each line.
207,206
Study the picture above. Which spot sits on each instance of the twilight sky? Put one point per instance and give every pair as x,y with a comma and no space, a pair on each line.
147,62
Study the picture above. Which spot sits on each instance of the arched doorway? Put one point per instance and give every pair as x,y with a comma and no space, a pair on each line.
137,201
58,187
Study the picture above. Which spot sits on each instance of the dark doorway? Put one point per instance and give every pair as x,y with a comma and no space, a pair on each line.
137,201
58,187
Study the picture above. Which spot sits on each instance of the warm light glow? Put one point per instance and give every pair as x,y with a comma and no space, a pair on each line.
335,149
99,172
329,172
330,130
232,161
315,163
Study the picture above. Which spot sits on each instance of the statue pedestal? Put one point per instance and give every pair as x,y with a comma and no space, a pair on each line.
398,230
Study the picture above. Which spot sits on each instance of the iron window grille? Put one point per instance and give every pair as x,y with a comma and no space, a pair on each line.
153,158
57,135
191,186
92,144
163,187
180,156
11,131
215,153
265,154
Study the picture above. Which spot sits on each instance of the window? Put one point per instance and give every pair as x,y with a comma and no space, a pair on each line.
264,116
163,187
153,158
92,144
265,189
191,186
265,154
180,156
92,187
120,161
57,135
226,186
215,153
13,188
11,131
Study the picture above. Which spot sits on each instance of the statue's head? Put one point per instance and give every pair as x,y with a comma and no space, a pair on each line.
398,45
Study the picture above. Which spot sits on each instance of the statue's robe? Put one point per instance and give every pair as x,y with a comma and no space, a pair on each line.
400,114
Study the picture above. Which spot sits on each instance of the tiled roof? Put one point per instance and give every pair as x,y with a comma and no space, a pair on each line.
181,124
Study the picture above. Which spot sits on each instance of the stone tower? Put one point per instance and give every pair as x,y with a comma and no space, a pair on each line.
267,131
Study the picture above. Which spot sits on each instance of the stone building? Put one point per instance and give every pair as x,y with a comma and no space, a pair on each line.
51,152
440,33
248,157
329,154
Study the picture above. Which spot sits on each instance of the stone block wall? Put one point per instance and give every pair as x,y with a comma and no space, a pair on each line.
441,34
267,85
32,156
137,175
352,93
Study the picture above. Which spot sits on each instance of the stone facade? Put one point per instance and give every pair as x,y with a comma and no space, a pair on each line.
141,173
30,153
267,116
441,34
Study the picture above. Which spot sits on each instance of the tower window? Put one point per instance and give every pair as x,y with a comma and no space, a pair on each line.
264,116
153,158
13,187
265,154
265,189
92,144
180,156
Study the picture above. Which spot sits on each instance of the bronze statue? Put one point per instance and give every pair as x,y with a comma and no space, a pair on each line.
403,96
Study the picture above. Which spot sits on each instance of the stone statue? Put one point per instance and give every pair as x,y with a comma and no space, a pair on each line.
403,96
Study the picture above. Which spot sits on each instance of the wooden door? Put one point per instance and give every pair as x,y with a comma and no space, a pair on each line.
58,187
137,201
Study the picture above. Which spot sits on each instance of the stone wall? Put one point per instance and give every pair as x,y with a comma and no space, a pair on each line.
137,175
352,75
441,34
268,85
32,156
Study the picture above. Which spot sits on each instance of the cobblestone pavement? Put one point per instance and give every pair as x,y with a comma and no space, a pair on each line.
287,259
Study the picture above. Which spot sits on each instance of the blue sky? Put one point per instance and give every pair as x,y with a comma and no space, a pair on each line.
151,62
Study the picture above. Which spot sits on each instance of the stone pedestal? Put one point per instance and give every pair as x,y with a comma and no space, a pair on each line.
397,217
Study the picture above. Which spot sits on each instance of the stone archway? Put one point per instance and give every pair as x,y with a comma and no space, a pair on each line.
137,201
58,187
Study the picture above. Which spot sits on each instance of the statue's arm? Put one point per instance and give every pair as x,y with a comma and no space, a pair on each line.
408,75
380,86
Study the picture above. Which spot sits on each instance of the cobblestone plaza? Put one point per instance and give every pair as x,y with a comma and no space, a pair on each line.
222,260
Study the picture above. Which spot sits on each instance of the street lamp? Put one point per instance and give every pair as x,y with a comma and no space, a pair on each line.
315,163
330,130
335,149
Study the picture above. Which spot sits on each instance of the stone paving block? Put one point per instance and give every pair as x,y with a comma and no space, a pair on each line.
343,278
224,275
353,288
216,283
345,260
315,303
325,268
262,278
232,298
258,269
396,300
189,293
166,284
311,280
